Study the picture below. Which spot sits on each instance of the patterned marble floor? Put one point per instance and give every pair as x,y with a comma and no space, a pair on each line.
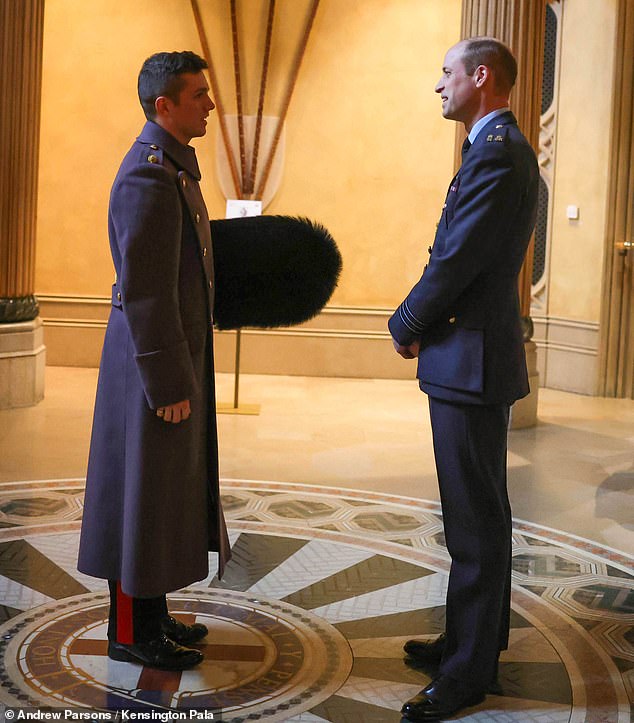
309,621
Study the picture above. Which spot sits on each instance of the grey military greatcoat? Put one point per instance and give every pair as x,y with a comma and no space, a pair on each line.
152,506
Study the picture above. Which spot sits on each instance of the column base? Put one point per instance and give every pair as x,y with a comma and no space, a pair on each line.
22,362
524,411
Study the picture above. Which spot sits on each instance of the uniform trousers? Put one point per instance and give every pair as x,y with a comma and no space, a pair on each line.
134,619
470,449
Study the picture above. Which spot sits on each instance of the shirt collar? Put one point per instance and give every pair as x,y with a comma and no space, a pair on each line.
479,125
183,157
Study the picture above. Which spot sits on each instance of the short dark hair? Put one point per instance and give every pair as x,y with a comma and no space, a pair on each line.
495,55
160,75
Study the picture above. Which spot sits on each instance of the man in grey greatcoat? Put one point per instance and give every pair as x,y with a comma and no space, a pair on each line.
152,507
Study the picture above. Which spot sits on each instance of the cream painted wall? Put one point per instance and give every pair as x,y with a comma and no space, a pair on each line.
371,153
582,150
90,115
368,153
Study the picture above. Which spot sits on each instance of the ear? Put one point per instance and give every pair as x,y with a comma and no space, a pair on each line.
162,105
481,75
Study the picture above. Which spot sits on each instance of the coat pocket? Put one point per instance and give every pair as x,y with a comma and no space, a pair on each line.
454,360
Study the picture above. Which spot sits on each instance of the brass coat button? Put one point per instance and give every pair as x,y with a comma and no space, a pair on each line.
118,296
452,320
197,218
184,182
210,284
154,147
152,158
205,251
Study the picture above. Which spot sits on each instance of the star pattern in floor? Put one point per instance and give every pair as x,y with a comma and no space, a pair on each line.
308,623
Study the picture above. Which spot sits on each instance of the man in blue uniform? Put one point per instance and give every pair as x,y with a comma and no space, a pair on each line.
462,321
152,506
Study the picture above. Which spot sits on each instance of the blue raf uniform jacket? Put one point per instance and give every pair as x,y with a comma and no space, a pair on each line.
465,307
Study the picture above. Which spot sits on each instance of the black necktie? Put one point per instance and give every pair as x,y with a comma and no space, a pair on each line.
465,146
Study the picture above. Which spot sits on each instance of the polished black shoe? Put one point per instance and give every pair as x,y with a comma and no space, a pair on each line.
429,652
180,632
440,699
425,651
161,653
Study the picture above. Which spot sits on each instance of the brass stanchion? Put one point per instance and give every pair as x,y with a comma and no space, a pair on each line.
236,209
236,407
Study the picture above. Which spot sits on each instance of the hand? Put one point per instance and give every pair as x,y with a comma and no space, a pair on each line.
175,413
407,352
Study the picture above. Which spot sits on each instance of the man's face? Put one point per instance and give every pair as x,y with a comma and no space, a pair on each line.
460,98
187,118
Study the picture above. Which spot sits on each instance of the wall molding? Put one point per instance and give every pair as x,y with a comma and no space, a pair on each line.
74,298
349,341
340,341
567,353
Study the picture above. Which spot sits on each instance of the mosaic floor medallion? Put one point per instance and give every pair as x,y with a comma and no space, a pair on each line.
309,620
263,658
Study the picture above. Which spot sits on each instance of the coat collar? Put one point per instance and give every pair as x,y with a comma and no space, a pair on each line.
184,157
504,119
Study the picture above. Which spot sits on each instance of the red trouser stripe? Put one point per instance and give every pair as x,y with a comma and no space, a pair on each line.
125,625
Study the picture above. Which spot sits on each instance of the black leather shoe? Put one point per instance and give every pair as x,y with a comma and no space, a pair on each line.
440,699
429,652
161,653
180,632
426,651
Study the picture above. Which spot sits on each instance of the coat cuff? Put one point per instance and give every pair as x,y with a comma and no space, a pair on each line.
403,325
167,375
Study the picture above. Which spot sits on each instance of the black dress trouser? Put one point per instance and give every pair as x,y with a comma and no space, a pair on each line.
134,619
470,448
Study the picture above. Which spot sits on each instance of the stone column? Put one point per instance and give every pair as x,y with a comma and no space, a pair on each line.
521,25
22,352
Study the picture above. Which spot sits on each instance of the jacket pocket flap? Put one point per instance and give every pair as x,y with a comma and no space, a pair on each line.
455,360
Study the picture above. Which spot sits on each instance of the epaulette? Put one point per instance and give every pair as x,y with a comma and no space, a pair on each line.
155,154
499,136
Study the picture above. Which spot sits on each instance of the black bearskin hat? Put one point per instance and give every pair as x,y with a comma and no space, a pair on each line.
272,270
